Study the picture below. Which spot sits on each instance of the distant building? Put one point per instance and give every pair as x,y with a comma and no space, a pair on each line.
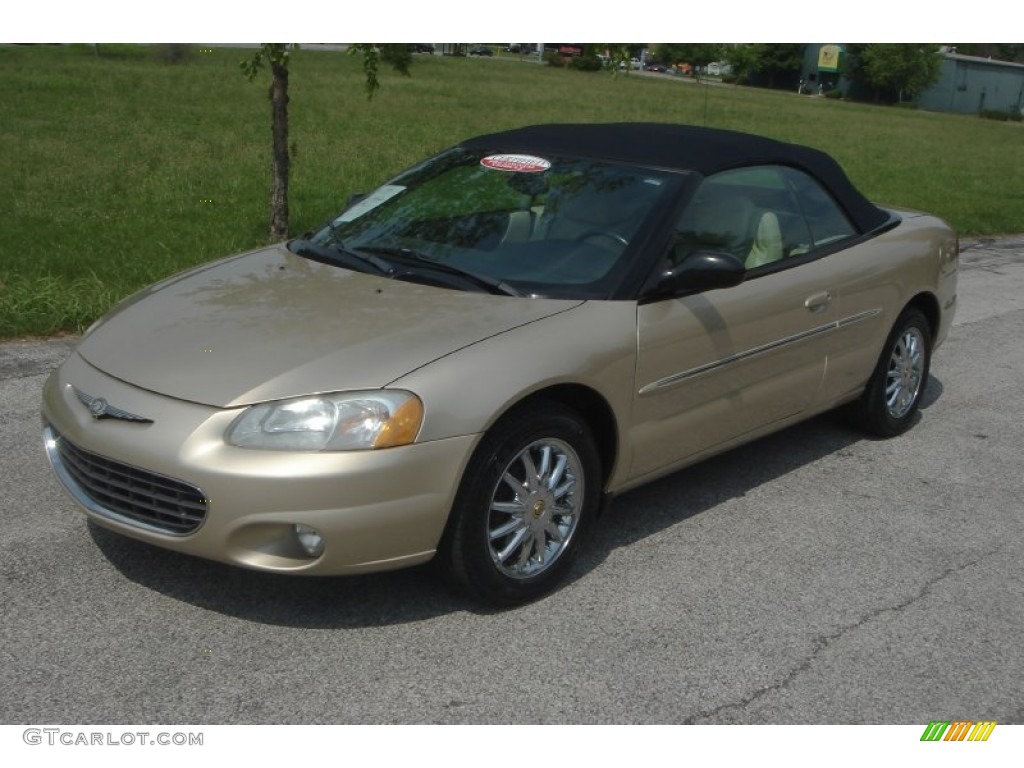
970,84
823,68
966,84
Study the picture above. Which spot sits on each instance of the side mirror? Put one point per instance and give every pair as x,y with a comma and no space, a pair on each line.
701,271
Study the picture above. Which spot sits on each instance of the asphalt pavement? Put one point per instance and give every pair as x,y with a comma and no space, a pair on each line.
814,576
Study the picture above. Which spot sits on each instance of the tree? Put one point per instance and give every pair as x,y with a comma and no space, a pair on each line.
774,59
1009,52
1013,52
277,56
743,58
899,68
619,55
771,60
697,54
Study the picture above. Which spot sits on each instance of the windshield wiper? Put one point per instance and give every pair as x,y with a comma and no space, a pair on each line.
493,285
337,254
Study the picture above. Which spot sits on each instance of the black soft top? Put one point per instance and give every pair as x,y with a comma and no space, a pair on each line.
685,148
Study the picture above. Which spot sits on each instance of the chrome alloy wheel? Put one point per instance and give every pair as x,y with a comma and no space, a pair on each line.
904,377
535,508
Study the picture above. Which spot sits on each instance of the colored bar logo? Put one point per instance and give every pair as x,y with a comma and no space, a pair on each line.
958,730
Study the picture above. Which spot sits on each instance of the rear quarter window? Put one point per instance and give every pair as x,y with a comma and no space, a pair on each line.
824,217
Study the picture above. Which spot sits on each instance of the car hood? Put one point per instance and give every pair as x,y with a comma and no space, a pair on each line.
269,324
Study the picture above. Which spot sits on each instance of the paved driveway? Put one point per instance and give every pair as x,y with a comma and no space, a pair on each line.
812,577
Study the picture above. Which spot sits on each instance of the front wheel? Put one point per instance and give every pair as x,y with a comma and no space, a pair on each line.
527,496
893,394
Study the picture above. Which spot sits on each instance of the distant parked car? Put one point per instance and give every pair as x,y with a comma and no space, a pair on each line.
421,48
655,67
481,50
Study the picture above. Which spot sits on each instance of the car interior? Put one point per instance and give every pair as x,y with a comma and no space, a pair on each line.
753,215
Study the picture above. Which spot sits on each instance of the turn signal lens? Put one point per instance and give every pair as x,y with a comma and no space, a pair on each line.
403,426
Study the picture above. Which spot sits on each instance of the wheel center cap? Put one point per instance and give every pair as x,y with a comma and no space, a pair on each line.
538,508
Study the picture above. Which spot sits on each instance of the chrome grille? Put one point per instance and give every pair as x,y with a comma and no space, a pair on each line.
131,494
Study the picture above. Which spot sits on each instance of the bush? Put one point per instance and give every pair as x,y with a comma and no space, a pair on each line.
173,53
999,114
586,64
833,93
554,60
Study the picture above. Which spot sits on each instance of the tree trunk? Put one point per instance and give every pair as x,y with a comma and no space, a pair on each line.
281,162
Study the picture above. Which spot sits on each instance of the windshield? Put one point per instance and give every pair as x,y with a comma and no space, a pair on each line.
546,226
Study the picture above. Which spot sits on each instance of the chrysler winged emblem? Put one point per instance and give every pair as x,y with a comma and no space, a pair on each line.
101,409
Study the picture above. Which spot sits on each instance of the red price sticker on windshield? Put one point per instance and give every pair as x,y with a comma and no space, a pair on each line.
516,163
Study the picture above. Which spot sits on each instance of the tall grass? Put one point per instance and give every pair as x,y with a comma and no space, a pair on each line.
118,168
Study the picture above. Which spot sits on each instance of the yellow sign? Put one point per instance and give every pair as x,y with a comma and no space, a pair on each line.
828,58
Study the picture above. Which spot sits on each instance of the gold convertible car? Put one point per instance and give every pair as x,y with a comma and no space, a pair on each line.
468,361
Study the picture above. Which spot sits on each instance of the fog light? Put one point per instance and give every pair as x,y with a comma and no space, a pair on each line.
310,540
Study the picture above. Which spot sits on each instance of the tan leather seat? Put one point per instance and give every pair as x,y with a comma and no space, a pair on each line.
716,220
767,245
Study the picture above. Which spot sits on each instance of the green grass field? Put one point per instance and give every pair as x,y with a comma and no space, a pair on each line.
117,170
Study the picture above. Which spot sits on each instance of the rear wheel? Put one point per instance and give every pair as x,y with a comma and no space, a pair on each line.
525,501
892,397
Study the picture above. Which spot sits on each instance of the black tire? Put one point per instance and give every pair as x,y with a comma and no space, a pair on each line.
500,502
892,396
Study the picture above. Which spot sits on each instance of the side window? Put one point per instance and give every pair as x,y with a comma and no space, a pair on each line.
825,218
750,213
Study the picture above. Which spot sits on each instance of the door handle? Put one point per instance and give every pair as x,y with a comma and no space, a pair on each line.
818,302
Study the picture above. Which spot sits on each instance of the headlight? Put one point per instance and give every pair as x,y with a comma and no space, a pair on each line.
346,421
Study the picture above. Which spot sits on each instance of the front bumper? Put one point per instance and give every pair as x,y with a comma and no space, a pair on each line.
377,510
